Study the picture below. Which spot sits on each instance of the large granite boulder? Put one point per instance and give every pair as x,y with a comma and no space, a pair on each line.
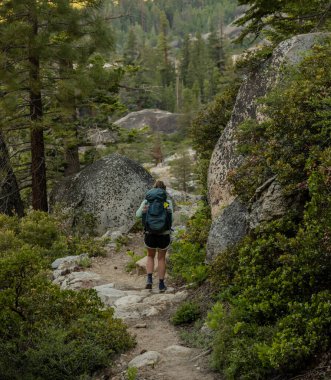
157,120
110,189
269,202
225,157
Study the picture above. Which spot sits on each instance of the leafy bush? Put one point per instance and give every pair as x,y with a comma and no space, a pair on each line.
187,312
46,332
187,258
273,313
198,225
186,262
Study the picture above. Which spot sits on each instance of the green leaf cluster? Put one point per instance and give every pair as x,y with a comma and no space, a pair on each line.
46,332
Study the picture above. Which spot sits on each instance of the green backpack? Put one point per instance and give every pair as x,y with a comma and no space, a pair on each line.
157,218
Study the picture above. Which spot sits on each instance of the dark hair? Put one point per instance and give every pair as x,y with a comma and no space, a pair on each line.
160,185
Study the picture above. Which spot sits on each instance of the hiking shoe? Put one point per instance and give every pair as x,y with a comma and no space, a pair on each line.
162,287
148,285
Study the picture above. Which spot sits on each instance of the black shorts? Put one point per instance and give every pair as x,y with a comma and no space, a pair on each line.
157,241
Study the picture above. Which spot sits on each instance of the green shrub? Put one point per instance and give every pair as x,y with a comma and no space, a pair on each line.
198,225
273,314
131,373
45,332
187,262
121,241
187,258
187,312
38,228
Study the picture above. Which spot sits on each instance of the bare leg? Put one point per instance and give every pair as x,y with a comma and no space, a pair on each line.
150,260
161,263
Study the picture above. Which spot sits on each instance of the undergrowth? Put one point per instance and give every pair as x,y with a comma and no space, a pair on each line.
45,332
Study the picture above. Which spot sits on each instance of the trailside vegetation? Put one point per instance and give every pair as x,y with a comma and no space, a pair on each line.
46,332
187,259
274,302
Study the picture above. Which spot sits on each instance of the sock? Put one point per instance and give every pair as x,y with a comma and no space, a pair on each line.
150,278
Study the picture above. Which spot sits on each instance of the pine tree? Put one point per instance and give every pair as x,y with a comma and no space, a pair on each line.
40,44
130,49
156,152
185,60
279,20
182,171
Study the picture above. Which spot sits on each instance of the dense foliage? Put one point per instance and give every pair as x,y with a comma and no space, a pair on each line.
45,332
52,73
188,253
178,51
273,313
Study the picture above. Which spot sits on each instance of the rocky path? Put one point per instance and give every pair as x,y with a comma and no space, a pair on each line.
159,353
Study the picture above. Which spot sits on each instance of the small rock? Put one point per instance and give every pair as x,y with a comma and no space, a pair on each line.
149,358
140,326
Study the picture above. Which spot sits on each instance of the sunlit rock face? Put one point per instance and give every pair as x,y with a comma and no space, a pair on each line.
225,157
110,190
157,120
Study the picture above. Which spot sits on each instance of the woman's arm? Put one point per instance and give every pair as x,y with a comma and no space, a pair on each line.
139,212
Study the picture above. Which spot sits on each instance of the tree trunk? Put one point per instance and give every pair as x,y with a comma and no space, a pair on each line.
10,199
38,166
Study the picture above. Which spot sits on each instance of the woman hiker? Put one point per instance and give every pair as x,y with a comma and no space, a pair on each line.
156,212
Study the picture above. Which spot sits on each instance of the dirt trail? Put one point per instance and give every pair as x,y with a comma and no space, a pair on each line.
158,333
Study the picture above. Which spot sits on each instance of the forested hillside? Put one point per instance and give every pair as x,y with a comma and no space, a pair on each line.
179,52
248,155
